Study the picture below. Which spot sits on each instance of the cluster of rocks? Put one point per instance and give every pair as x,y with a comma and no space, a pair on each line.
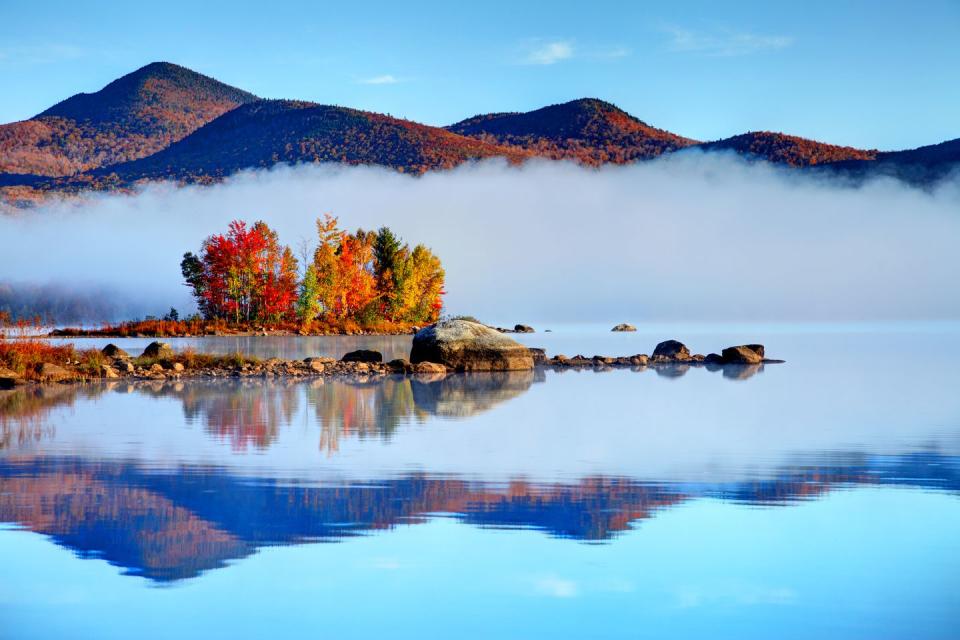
668,352
517,328
452,345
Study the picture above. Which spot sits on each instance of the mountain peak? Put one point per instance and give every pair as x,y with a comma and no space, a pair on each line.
589,130
161,85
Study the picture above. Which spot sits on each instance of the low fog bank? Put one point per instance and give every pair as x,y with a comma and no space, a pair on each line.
690,237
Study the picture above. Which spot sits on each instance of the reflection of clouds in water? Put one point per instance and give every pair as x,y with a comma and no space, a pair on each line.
555,587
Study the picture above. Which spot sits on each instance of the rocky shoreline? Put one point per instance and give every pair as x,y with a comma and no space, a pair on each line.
454,346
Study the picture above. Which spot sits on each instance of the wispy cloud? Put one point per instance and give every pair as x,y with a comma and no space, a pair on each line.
724,43
548,52
383,79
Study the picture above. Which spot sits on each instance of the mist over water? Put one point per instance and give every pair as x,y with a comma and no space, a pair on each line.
692,237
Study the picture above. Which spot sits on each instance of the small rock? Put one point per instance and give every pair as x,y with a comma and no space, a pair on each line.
429,367
713,358
400,365
113,351
158,350
523,328
758,349
123,366
108,372
315,365
539,355
741,355
671,350
178,367
9,379
623,326
362,355
49,372
639,360
156,368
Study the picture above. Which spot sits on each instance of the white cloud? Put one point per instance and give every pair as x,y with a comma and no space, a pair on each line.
725,43
544,53
383,79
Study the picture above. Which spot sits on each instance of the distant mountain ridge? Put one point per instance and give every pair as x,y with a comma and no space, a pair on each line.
164,121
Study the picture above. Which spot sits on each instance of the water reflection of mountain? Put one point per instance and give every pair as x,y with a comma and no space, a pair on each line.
249,414
173,525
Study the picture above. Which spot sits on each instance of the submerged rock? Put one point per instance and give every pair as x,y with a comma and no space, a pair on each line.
463,345
623,326
362,355
671,350
158,350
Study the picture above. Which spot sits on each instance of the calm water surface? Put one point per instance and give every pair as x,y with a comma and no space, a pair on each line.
813,498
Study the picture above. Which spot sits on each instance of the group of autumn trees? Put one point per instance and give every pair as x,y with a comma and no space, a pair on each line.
246,276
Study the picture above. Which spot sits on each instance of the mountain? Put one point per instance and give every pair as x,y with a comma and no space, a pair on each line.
132,117
164,121
922,166
590,131
268,132
780,148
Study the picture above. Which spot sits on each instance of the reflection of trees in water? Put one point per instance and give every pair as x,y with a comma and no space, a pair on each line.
360,410
25,413
246,415
251,413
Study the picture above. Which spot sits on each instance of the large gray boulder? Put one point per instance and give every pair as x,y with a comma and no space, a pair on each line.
463,345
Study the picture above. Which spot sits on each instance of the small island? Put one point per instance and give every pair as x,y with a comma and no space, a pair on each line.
449,346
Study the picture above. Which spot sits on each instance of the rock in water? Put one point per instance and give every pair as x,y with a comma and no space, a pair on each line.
671,350
362,355
758,349
462,345
741,355
158,350
113,351
623,326
523,328
539,355
9,379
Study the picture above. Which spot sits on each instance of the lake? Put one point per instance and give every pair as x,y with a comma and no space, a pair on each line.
815,498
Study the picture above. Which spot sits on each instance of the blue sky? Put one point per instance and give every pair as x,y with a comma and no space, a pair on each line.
868,74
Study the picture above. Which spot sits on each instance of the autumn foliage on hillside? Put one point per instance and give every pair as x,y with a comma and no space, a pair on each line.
363,279
590,131
132,117
790,150
271,132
